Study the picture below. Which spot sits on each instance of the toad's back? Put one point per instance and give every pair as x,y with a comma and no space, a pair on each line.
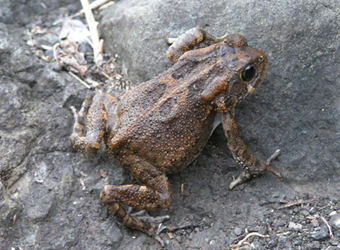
168,120
165,123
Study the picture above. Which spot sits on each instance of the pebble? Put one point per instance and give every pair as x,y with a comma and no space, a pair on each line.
312,210
321,234
257,229
332,213
257,245
315,222
335,221
295,226
190,236
314,245
305,213
334,243
280,223
237,231
272,244
297,242
246,247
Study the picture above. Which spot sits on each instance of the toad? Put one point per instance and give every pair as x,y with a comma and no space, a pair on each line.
160,126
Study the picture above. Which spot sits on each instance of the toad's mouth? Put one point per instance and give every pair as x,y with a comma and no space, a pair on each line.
251,90
253,86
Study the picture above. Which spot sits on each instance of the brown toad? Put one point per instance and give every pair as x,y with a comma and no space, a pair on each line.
161,126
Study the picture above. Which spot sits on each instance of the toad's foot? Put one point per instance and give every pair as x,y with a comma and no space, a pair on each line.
175,228
80,116
247,174
153,220
171,229
156,226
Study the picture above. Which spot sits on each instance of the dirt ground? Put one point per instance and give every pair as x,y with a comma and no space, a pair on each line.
50,193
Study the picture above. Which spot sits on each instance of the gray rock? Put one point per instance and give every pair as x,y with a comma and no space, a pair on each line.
315,245
321,234
24,12
295,226
43,204
298,103
335,221
237,231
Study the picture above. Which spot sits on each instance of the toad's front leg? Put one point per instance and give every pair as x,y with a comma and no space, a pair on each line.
192,39
153,193
96,118
242,154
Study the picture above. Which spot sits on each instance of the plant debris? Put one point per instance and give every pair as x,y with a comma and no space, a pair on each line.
76,47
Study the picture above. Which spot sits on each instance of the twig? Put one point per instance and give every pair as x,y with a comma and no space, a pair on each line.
296,203
273,156
284,233
243,241
82,183
329,227
101,4
96,43
95,5
80,80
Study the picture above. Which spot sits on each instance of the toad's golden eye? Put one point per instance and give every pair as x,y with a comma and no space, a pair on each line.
248,73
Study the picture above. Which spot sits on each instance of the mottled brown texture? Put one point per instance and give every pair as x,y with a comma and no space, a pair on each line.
161,126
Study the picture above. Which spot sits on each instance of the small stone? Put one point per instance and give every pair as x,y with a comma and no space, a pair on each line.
246,247
282,239
305,213
273,236
257,229
281,223
272,244
315,222
237,231
295,226
297,242
334,242
190,236
103,173
78,218
257,245
312,210
332,213
321,234
179,239
315,245
275,195
335,221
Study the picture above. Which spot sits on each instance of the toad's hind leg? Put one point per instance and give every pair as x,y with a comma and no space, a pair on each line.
153,193
96,117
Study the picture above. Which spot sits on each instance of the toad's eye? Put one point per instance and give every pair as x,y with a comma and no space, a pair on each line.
248,73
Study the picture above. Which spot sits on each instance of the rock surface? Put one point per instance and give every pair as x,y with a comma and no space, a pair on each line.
297,109
49,195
